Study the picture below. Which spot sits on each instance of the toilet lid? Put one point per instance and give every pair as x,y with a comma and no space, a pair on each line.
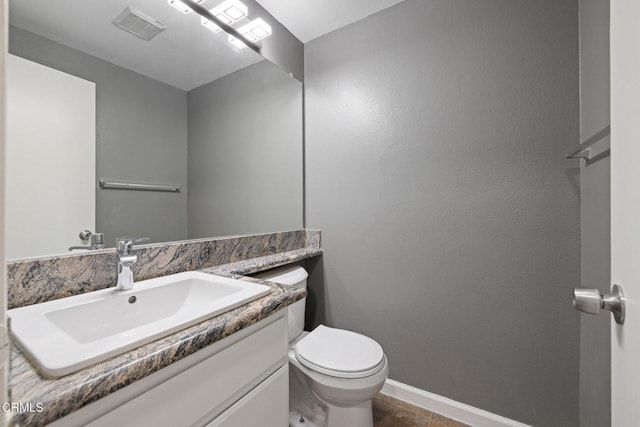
339,353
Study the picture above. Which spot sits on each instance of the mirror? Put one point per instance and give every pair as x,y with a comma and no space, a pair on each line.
89,101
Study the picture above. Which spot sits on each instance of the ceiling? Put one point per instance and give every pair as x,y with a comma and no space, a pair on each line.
310,19
185,55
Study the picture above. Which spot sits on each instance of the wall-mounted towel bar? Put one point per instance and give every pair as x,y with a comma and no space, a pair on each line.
584,150
118,185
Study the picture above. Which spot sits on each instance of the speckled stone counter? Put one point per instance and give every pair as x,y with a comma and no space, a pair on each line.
37,280
65,395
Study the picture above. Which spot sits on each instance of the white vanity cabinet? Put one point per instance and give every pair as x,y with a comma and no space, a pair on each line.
241,380
263,406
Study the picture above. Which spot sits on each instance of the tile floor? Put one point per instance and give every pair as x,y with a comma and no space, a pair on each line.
390,412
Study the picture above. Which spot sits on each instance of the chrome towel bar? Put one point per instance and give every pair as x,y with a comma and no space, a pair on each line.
584,150
118,185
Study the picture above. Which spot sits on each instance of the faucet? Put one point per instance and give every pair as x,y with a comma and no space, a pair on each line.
97,242
126,259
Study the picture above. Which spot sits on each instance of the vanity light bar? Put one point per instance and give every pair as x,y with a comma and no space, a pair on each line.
178,4
210,25
237,43
255,30
229,12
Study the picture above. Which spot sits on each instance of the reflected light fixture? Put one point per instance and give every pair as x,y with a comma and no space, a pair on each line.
229,12
178,4
253,31
210,25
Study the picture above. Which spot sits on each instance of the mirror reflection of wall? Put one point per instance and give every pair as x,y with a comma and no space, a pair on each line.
233,143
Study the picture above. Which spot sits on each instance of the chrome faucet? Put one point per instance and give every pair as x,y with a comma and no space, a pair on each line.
97,242
126,259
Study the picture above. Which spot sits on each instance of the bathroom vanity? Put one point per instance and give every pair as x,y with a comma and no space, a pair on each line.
220,372
225,384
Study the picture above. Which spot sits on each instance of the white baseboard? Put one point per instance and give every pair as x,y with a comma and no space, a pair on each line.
449,408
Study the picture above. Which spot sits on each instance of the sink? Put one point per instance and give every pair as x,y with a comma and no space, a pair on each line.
68,334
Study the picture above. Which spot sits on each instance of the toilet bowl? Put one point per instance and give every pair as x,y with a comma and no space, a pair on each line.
335,373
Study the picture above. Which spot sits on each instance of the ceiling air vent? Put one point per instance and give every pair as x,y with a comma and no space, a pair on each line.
137,23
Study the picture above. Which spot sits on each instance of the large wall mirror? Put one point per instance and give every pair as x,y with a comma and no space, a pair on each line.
159,102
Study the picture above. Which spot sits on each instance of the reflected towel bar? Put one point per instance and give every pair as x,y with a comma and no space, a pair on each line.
583,151
117,185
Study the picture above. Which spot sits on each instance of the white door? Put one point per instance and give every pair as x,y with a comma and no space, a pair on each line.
4,337
625,208
50,159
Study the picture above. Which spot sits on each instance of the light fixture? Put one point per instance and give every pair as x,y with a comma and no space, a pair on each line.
253,31
210,25
229,12
237,43
178,4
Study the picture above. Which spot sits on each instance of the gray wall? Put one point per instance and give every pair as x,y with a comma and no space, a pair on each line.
245,153
141,130
595,349
451,223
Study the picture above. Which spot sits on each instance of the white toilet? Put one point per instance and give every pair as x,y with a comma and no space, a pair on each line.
334,374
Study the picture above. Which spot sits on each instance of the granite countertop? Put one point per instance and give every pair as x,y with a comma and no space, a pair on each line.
62,396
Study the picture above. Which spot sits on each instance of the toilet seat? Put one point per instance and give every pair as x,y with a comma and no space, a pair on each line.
339,353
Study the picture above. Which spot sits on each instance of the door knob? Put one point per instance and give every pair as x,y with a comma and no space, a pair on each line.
591,301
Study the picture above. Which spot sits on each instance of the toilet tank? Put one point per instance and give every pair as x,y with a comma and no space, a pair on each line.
290,275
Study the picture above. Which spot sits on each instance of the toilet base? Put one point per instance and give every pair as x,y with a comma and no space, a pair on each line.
318,412
303,403
356,415
297,419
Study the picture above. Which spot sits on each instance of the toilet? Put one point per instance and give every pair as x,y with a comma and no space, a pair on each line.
334,374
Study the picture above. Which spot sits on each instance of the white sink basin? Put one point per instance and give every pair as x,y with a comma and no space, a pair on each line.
68,334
